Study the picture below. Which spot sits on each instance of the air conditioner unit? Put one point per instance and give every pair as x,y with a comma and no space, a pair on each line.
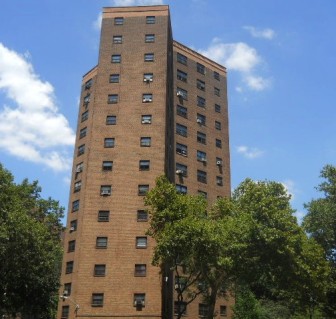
147,100
179,172
105,192
72,229
139,303
79,169
147,80
203,159
179,93
219,163
146,121
199,121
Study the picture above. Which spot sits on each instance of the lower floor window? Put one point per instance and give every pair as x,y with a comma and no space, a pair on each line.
180,307
65,312
97,300
203,310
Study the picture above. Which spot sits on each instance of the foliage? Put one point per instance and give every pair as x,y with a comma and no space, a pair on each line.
30,248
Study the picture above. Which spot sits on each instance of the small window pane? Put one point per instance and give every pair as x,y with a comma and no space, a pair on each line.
200,101
113,98
97,300
148,77
116,58
82,132
107,165
182,58
201,137
143,190
181,169
144,165
219,180
217,108
147,98
181,149
200,68
149,57
182,111
180,307
217,91
77,186
119,21
87,99
201,119
203,310
117,39
218,143
150,19
145,141
75,205
105,190
181,130
182,94
101,242
114,78
201,156
218,125
111,120
201,176
146,119
182,76
85,116
181,189
109,142
73,225
140,270
103,215
141,242
65,312
142,216
71,246
81,149
69,267
149,38
67,289
99,270
223,311
201,85
216,75
88,84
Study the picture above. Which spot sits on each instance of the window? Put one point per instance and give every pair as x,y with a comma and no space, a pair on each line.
85,116
216,75
201,137
181,169
148,77
217,91
77,186
200,85
71,246
219,180
200,68
217,108
182,76
107,166
118,21
117,39
149,57
218,125
182,58
109,142
182,111
143,190
86,99
223,311
181,149
180,307
69,267
201,119
79,168
204,194
201,156
147,98
73,225
111,120
101,242
75,206
65,312
67,289
201,176
181,130
218,143
142,215
141,242
88,84
150,19
203,310
181,189
103,215
144,165
82,132
114,78
180,283
99,270
182,94
81,149
146,119
219,161
200,101
149,38
105,190
140,270
145,141
116,58
112,98
139,300
97,300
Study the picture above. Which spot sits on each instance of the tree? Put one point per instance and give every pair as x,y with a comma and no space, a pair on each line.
30,249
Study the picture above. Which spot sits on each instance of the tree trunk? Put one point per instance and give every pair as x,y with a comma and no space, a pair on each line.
212,303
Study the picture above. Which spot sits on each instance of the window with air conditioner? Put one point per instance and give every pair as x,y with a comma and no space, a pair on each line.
201,156
117,39
181,149
146,119
105,190
147,98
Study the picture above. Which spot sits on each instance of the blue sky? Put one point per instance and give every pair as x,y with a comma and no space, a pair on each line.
281,61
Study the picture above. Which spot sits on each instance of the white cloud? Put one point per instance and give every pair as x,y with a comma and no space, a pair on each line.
97,23
31,129
267,33
290,187
249,152
239,57
125,3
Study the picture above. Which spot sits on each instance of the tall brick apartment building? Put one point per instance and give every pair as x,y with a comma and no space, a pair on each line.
151,106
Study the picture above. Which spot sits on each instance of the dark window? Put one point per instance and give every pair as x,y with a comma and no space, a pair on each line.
97,300
85,116
101,242
69,267
107,166
67,289
99,270
219,180
219,161
201,85
105,190
149,57
181,130
218,125
75,205
180,307
217,108
116,58
203,310
204,194
144,165
112,98
87,99
143,190
109,142
146,119
181,169
117,39
81,149
111,120
141,242
77,186
201,137
201,156
181,189
139,300
182,76
201,176
88,84
65,312
118,21
223,311
200,68
145,141
79,167
149,38
200,101
82,132
71,246
114,78
73,225
217,91
103,215
150,19
140,270
142,215
182,58
201,119
216,75
182,111
148,77
147,98
182,94
218,143
181,149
